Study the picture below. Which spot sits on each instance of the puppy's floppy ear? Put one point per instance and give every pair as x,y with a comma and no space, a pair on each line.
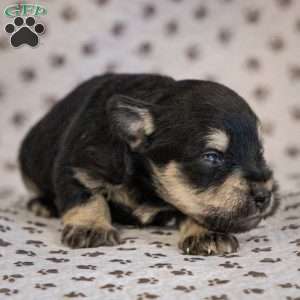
131,119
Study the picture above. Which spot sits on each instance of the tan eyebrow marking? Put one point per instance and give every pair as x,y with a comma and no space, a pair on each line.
217,139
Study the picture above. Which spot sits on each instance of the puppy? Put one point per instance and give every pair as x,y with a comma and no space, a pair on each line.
145,149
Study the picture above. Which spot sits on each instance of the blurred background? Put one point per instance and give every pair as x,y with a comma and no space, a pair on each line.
251,46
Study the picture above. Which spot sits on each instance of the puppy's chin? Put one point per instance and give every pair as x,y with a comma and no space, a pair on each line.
228,224
246,219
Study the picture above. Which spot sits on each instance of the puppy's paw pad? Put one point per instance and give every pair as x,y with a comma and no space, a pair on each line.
76,236
209,244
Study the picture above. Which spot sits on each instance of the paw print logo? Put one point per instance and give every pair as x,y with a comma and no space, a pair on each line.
24,31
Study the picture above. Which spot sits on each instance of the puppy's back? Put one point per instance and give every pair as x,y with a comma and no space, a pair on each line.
42,144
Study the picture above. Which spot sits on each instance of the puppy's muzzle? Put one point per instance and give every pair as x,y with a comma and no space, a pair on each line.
259,203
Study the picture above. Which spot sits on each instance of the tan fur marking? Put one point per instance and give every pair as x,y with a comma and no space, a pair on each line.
148,122
119,194
86,180
190,228
268,185
172,186
203,241
146,213
218,140
93,214
124,196
144,127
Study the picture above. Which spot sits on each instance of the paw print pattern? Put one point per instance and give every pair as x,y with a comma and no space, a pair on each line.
12,278
24,32
182,272
111,287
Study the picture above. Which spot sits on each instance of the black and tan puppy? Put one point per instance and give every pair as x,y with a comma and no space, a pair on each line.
144,149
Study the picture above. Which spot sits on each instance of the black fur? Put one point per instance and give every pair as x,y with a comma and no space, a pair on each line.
87,131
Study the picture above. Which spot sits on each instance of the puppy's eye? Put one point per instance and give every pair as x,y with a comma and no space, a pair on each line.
214,158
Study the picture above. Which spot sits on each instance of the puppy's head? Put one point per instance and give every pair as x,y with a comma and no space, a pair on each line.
204,152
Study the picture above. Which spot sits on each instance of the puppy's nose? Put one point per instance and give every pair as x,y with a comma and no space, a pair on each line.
261,196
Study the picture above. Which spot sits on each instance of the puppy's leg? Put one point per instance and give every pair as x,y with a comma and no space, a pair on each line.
197,240
89,225
41,203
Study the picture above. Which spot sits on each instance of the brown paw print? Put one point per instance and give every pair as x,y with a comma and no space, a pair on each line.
23,263
86,237
146,296
24,252
253,291
63,252
57,260
130,240
93,254
126,249
216,281
120,274
290,227
193,259
4,228
83,278
37,244
150,280
32,230
12,278
87,267
160,232
210,244
289,285
161,266
121,261
111,287
159,244
270,260
215,297
256,274
8,292
74,295
44,286
182,272
257,250
48,271
4,243
230,265
155,255
38,224
258,238
186,289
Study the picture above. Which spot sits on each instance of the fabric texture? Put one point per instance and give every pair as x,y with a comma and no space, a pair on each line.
250,46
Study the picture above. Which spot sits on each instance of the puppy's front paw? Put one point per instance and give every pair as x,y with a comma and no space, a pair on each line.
76,236
211,243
